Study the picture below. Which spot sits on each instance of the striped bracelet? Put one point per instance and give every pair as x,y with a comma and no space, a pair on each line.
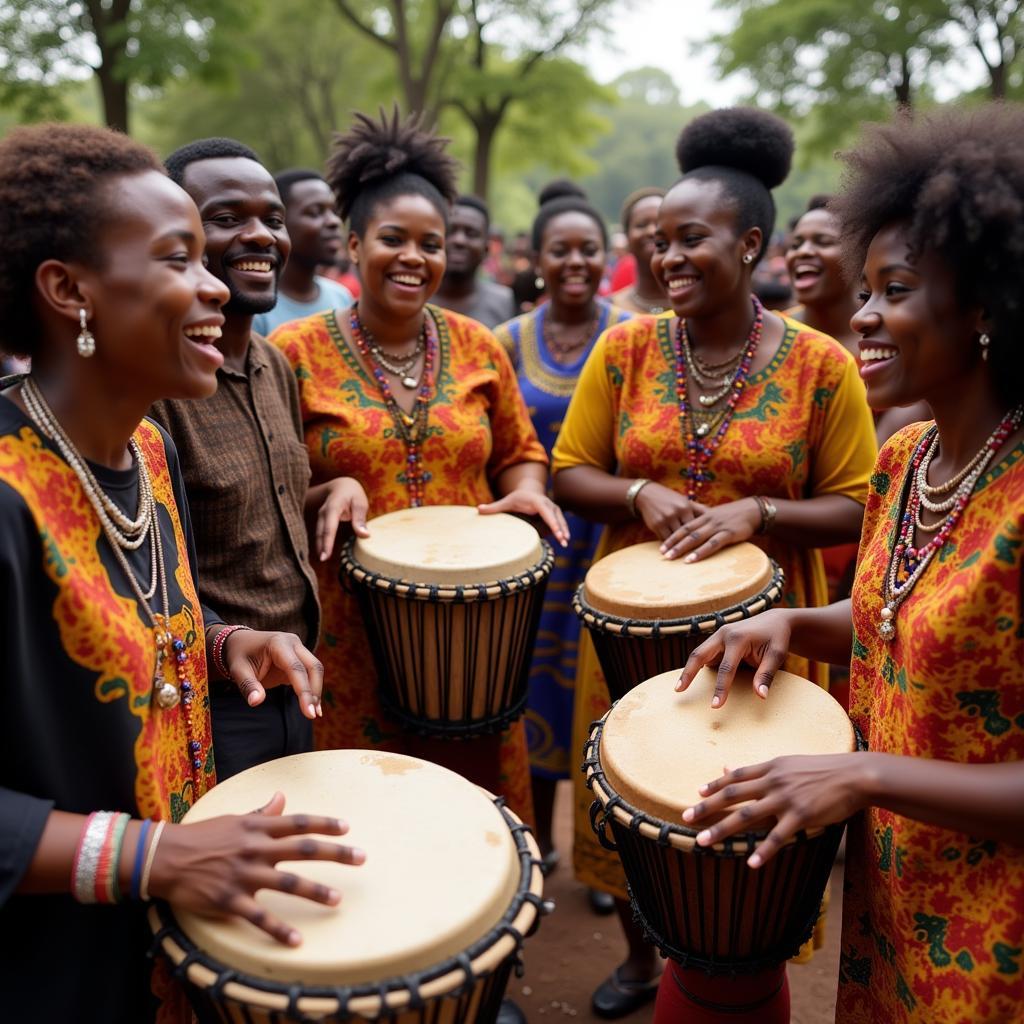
158,831
87,857
218,649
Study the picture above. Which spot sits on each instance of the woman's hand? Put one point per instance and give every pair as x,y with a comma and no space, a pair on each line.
761,642
339,501
215,867
712,529
528,502
797,792
257,660
663,510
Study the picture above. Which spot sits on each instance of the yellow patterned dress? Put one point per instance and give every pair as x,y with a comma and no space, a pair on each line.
801,429
478,427
933,920
79,732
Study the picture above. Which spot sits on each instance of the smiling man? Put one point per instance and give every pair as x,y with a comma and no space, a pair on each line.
462,288
242,453
315,232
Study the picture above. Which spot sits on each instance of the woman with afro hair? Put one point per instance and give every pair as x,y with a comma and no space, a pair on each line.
933,912
725,423
359,375
105,736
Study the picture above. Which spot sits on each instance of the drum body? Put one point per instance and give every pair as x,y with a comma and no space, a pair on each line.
428,930
646,614
451,601
703,907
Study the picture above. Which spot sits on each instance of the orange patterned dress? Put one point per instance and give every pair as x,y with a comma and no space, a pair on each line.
80,732
801,429
933,919
478,427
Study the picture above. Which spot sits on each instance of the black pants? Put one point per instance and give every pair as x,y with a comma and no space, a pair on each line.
245,736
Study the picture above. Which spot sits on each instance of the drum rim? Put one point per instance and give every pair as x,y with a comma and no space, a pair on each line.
703,622
463,593
608,803
451,976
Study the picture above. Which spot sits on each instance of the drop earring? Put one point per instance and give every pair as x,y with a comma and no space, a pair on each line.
984,341
86,342
538,283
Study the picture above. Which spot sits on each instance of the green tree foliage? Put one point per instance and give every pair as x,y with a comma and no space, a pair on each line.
47,44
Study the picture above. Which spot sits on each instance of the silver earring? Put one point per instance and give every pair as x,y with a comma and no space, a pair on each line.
748,257
85,341
984,341
538,283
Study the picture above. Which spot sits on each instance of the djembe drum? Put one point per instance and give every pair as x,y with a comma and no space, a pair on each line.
451,600
646,613
429,928
704,908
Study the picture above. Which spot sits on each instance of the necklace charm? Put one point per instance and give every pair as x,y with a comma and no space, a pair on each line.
167,696
887,623
410,382
702,430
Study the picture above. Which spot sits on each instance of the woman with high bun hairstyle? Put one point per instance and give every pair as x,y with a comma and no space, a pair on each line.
778,452
393,371
933,907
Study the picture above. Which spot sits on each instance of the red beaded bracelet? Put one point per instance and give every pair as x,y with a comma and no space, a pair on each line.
218,649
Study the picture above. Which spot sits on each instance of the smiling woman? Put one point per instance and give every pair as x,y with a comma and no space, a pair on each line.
418,404
105,640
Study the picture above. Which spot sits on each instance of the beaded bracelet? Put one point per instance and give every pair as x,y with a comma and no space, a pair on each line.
218,649
87,856
158,831
140,853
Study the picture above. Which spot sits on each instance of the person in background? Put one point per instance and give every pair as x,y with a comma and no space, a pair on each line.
242,454
341,271
315,232
463,289
640,221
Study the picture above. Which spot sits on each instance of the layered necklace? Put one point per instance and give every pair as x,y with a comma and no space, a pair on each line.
907,563
126,534
561,349
411,429
704,425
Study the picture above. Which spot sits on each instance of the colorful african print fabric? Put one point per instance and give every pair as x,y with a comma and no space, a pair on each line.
801,429
933,919
478,427
80,731
547,386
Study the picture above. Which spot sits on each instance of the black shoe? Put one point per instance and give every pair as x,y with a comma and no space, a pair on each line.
509,1013
615,998
602,903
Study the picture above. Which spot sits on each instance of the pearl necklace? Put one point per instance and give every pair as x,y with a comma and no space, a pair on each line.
655,307
124,534
907,563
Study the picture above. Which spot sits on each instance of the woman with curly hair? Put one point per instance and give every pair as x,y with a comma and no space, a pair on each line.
105,737
933,910
723,424
639,220
361,375
548,346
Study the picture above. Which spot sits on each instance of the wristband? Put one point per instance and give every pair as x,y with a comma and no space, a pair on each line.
114,883
87,857
631,495
158,831
768,512
218,649
140,853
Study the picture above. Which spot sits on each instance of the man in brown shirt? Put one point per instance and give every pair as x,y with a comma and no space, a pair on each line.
243,456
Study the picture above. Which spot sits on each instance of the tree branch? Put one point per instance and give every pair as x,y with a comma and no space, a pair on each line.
345,10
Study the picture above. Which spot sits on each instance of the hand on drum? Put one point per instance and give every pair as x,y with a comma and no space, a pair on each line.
256,660
711,529
798,792
216,867
527,502
761,642
340,501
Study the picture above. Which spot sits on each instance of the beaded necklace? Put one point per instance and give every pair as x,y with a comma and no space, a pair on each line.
411,429
908,563
700,439
124,534
561,348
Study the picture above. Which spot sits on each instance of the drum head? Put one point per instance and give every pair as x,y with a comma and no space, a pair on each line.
448,545
441,869
658,746
638,582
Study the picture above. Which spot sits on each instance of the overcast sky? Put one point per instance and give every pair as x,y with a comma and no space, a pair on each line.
660,33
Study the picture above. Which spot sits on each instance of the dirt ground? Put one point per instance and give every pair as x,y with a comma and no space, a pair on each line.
574,950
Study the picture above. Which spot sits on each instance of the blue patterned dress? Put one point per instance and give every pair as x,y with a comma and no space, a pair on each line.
547,386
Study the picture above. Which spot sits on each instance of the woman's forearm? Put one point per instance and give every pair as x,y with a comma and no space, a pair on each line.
524,476
817,522
821,634
593,493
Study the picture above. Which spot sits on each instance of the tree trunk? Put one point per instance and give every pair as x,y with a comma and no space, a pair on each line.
113,88
114,93
997,81
486,124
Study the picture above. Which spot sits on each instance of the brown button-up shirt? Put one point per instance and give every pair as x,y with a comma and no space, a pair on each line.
246,474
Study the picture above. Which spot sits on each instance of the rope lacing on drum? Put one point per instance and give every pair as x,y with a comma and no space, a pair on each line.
295,993
663,833
343,993
469,977
223,977
191,956
412,983
158,938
